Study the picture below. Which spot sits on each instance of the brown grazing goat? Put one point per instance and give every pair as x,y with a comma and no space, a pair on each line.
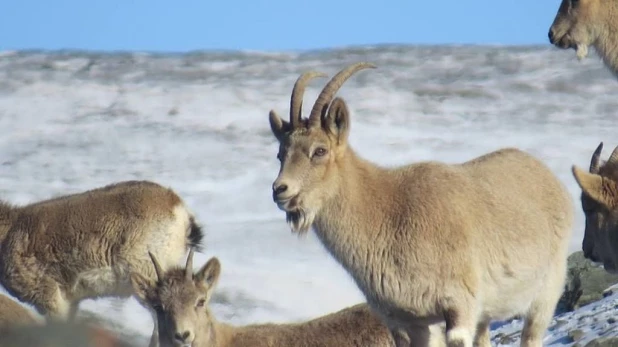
180,298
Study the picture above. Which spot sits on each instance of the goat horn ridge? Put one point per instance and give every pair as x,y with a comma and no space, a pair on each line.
296,102
331,88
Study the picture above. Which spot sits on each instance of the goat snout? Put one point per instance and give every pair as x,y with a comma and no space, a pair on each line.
551,36
279,188
183,337
282,191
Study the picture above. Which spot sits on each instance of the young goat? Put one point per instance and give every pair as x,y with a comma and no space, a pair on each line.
57,252
580,24
429,242
181,298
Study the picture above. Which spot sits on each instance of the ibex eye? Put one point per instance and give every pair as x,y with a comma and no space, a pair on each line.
320,152
200,303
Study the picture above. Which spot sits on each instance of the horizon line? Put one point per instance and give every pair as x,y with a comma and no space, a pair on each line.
369,46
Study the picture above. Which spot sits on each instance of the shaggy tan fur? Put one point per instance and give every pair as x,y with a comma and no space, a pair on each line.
580,24
599,201
12,314
428,242
181,298
57,252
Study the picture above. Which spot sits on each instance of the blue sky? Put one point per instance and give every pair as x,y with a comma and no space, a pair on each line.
183,25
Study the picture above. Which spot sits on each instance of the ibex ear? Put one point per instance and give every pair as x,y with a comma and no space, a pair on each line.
209,274
598,188
277,125
142,286
337,121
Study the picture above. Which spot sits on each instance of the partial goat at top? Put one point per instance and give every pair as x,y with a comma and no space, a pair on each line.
580,24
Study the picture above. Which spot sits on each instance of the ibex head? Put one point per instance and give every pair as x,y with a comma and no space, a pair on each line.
180,299
578,25
599,200
311,150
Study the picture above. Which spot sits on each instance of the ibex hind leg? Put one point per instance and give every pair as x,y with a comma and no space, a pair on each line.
53,304
420,336
541,311
400,337
538,318
461,324
483,337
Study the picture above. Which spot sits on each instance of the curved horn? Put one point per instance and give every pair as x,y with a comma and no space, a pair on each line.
331,88
613,158
189,266
296,102
594,162
157,266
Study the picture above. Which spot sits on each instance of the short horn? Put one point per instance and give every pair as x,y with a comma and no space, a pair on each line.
189,266
613,158
331,88
157,266
596,156
296,102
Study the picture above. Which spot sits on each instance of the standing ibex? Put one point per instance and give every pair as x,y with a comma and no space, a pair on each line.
427,242
14,314
599,201
583,23
181,298
57,252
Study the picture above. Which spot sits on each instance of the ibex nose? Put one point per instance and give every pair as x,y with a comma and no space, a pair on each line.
182,337
282,191
551,36
279,188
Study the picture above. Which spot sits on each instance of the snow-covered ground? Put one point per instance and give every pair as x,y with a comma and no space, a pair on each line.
198,122
596,320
